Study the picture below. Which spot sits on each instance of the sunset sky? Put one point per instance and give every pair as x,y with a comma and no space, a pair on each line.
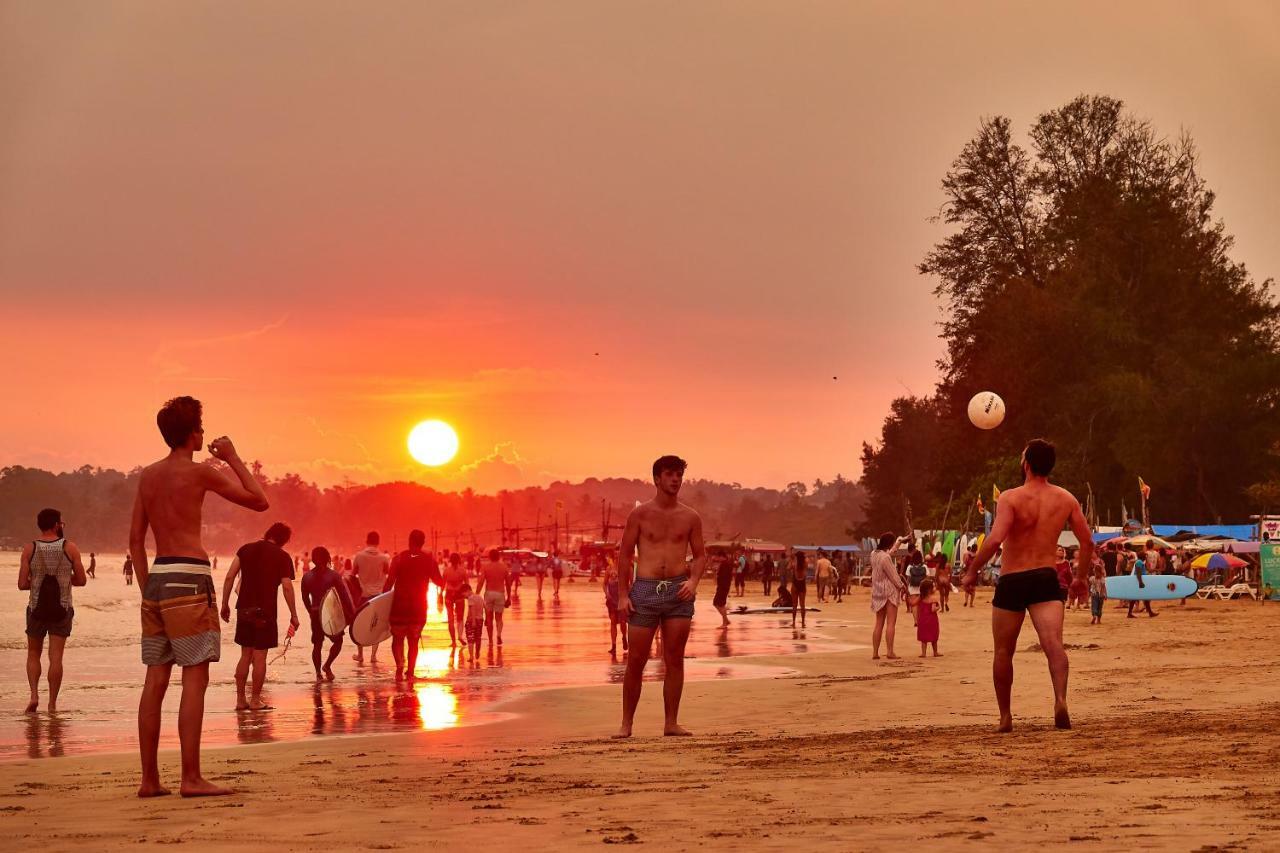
584,233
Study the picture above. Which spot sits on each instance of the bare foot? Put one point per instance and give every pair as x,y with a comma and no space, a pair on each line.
676,731
1006,725
623,732
32,706
262,707
922,654
53,707
875,657
328,674
399,676
156,790
202,788
937,654
1061,719
891,656
357,658
242,706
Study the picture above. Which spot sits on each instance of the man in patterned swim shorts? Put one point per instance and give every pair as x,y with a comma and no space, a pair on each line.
662,590
179,616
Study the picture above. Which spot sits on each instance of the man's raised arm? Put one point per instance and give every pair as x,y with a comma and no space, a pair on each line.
248,492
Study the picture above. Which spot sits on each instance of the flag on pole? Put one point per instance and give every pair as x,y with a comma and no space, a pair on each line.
1145,489
995,493
1124,512
982,510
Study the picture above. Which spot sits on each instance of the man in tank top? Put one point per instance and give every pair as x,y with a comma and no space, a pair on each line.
50,566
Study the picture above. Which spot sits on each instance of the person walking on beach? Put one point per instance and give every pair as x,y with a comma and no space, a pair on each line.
887,592
128,570
1140,572
494,576
92,571
475,622
799,586
1028,522
1097,592
663,532
263,568
766,574
822,571
315,585
455,602
616,625
179,618
49,567
412,571
724,567
970,592
740,576
369,568
943,577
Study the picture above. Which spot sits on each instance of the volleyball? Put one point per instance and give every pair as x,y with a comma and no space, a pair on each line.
986,410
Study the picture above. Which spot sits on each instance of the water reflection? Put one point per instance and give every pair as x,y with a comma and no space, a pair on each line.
437,706
45,734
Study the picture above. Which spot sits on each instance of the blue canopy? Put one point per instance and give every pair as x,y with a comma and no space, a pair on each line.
1241,532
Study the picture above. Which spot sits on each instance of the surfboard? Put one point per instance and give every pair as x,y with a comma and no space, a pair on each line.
743,609
333,620
1154,588
372,622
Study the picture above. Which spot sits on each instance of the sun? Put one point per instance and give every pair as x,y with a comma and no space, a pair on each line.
433,443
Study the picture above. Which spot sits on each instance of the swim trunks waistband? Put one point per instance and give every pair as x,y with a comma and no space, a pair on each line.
1019,590
661,584
187,565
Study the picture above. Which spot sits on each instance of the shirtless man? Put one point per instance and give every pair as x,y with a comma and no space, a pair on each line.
1028,522
179,618
662,590
494,577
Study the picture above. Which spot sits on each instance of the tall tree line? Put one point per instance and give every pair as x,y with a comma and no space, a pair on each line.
1087,282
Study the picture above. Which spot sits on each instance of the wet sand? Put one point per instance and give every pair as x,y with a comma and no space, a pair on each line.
1174,748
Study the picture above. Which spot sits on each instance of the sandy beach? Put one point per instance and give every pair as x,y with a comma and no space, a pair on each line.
1174,748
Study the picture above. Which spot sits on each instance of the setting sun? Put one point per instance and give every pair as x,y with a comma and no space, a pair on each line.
433,443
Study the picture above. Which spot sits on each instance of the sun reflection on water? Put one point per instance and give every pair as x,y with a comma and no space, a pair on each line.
437,706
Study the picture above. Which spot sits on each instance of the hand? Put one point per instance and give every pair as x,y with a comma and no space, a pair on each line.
624,607
293,624
221,448
226,613
688,590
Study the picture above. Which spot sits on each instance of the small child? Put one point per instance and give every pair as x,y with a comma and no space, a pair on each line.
475,620
1097,594
927,627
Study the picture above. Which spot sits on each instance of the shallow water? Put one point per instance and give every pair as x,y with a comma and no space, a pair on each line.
551,644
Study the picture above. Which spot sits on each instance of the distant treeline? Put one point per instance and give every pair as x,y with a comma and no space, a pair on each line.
97,503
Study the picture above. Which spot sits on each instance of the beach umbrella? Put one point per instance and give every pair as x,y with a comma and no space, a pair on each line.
1140,542
1217,561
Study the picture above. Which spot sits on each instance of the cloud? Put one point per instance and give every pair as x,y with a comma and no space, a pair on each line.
500,469
168,358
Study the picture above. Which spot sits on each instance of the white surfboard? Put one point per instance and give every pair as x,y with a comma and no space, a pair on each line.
333,619
372,622
1154,587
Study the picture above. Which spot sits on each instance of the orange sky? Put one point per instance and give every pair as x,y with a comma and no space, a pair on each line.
329,224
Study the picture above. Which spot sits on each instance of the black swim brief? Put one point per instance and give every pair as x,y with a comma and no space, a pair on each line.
1020,590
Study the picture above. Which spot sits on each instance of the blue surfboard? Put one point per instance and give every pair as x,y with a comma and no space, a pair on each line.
1154,588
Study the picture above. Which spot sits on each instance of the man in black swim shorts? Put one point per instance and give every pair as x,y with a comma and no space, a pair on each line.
1028,521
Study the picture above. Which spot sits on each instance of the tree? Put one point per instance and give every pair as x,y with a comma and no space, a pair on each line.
1088,284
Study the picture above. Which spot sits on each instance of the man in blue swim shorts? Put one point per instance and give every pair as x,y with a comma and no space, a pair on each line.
657,588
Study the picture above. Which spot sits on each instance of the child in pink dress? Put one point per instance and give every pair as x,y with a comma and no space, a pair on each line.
927,627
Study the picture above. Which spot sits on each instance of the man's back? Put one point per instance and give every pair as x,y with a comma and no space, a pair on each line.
172,493
370,567
1039,513
494,573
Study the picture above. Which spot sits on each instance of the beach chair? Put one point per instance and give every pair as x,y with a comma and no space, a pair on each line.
1226,593
1208,591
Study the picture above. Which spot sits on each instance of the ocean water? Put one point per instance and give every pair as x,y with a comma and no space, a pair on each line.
548,644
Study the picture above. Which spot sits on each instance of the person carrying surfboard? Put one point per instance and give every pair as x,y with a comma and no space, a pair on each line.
317,585
1028,523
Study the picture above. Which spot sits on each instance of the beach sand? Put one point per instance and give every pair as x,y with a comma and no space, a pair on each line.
1175,747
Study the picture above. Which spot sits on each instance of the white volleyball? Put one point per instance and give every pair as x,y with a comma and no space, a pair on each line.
986,410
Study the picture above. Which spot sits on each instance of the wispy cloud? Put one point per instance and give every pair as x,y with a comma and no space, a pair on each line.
169,358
